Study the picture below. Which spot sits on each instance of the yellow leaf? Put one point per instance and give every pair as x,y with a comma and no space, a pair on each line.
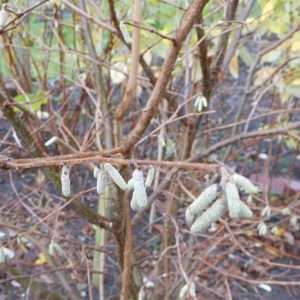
271,250
262,74
280,231
249,233
296,82
23,248
41,260
234,66
295,46
267,10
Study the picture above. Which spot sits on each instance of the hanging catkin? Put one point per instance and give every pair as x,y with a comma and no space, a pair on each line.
150,177
189,217
3,16
204,199
133,202
101,181
96,171
232,199
139,191
245,211
210,216
245,184
65,181
115,176
130,184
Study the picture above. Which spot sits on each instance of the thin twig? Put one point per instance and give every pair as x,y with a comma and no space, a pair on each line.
151,30
21,15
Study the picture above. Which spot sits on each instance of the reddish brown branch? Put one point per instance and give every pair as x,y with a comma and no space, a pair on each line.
75,159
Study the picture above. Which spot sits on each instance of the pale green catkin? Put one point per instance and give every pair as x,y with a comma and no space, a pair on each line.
150,177
189,217
262,228
130,185
133,202
65,181
96,171
203,200
51,141
3,16
115,176
211,215
232,199
139,192
245,184
245,211
101,181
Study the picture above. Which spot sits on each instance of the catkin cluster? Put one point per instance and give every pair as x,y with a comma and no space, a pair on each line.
139,198
226,197
104,171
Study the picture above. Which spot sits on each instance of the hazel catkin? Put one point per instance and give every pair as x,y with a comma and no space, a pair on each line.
96,171
133,202
211,215
130,184
115,176
189,217
232,199
150,177
139,191
65,181
101,181
245,211
3,15
203,200
245,184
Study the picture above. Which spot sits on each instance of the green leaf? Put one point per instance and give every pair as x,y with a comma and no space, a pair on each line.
291,143
245,55
34,101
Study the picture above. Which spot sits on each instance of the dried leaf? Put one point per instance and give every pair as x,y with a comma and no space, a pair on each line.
234,66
